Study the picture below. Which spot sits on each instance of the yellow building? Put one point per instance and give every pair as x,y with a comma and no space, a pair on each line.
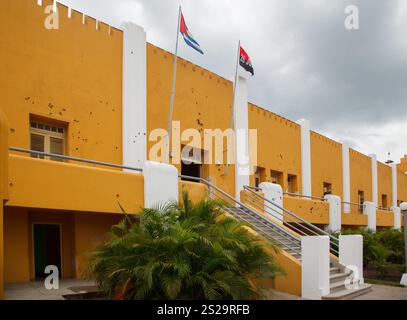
96,93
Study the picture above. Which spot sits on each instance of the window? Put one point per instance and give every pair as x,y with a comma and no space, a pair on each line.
327,188
48,138
292,183
191,164
361,200
384,201
276,177
259,176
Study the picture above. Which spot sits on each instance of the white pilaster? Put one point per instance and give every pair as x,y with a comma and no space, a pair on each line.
397,218
134,96
346,177
369,209
394,184
373,158
305,156
351,256
315,267
274,193
241,119
335,213
160,184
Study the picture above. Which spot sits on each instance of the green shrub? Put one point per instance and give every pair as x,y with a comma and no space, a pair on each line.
182,252
383,251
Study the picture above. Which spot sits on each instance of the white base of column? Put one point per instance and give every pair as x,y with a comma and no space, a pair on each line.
160,184
274,193
403,280
335,214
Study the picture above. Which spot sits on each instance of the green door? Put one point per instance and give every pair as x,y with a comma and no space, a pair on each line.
47,248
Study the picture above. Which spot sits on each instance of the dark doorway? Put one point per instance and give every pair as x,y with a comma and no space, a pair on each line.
47,247
191,170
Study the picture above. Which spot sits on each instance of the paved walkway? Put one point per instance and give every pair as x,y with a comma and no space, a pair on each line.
381,292
37,291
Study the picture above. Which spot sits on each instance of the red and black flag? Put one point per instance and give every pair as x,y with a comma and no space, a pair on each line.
245,62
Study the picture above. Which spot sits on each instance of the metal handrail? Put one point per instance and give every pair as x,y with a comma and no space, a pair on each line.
260,205
64,157
384,209
353,203
210,185
242,217
333,239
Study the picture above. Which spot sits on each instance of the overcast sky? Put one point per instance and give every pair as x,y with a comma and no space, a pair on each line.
351,85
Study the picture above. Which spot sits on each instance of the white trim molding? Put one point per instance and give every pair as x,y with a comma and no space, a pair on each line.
373,158
134,95
315,267
242,152
305,156
346,178
160,184
394,184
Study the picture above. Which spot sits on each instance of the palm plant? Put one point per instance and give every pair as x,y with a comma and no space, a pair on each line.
182,251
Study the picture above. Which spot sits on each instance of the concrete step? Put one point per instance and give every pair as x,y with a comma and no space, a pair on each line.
334,270
339,277
348,294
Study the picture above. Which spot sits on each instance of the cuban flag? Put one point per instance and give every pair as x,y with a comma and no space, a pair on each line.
188,37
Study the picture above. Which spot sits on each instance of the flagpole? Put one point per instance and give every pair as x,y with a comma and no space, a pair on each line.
233,105
174,78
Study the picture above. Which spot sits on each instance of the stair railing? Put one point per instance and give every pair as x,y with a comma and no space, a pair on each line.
231,203
261,203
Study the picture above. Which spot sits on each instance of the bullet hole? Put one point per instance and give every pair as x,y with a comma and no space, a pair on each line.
12,130
117,195
91,113
132,52
116,147
100,101
98,124
10,184
76,148
50,105
50,113
27,98
113,110
63,109
60,113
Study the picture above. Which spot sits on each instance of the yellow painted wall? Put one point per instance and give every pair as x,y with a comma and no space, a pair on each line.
196,191
384,184
73,75
16,248
402,186
80,234
202,101
354,219
68,186
313,211
279,143
326,165
360,176
91,230
384,218
4,129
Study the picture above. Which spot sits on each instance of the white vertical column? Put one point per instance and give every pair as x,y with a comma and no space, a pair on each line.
346,177
134,125
315,267
351,256
305,156
273,193
369,209
335,214
241,119
394,184
373,157
160,184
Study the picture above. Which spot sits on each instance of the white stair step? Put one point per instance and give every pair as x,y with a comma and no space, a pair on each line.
348,294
